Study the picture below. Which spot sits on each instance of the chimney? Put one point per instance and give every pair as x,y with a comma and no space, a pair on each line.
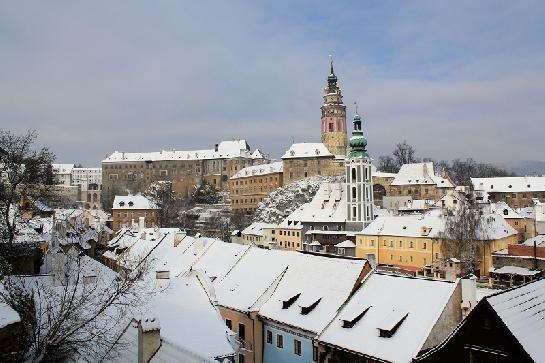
141,224
149,338
469,294
216,147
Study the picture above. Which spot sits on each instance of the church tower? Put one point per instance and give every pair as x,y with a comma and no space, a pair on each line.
359,182
333,122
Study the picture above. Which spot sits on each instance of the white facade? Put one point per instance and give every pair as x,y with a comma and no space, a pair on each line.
359,193
86,176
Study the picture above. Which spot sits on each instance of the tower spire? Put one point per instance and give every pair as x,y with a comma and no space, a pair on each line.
331,64
358,143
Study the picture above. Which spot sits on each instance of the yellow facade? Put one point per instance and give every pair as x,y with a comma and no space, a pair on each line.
336,142
414,253
246,192
289,238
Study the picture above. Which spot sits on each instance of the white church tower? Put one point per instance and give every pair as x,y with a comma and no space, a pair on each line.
359,182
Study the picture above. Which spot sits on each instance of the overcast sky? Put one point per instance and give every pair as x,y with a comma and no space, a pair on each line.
453,78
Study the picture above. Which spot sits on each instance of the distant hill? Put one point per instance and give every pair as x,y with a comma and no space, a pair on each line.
526,167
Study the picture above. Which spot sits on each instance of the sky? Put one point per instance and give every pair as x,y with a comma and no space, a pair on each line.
456,79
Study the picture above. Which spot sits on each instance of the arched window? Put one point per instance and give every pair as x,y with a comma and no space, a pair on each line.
353,174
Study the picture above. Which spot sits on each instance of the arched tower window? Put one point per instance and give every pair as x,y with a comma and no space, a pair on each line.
353,174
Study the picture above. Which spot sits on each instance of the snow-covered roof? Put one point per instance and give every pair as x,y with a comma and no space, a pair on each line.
510,184
382,302
506,211
539,240
417,204
432,224
420,174
306,150
226,150
191,328
7,315
62,168
521,310
133,202
220,258
251,277
514,270
311,291
256,228
346,244
327,206
257,154
257,170
315,243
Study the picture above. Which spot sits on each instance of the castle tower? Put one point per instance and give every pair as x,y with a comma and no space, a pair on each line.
359,182
333,122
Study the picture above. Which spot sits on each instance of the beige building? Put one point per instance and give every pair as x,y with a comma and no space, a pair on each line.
420,182
134,172
517,192
289,236
413,242
253,184
303,160
257,233
128,211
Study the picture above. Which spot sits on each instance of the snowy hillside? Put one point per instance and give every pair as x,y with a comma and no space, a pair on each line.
286,199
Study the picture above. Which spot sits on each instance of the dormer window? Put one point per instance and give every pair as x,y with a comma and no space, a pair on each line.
121,204
287,303
350,323
505,212
307,309
391,323
131,204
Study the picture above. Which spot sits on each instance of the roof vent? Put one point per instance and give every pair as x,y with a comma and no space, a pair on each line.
307,309
351,323
287,303
391,323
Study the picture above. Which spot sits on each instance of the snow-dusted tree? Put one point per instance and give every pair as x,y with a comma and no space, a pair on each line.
206,194
170,204
404,154
76,312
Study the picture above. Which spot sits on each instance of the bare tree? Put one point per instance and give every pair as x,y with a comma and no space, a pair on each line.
404,154
76,313
387,164
24,172
464,234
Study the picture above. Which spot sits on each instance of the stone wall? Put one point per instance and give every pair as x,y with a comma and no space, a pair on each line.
300,168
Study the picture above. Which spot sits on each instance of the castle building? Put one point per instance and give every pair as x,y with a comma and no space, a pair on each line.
359,184
333,122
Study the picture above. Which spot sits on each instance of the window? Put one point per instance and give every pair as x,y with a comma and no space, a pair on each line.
424,246
241,331
411,245
229,323
269,337
400,244
400,258
279,341
296,347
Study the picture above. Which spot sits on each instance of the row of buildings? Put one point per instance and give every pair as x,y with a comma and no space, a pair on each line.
284,306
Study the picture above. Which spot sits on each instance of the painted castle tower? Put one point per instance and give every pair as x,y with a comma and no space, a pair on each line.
359,184
333,122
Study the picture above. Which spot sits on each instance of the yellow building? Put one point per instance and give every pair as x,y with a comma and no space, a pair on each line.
253,184
289,236
413,242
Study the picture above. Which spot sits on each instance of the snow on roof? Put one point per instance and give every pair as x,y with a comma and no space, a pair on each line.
256,228
226,150
315,243
417,204
314,285
262,169
521,309
346,244
306,150
251,277
510,184
505,210
191,326
432,224
8,315
514,270
220,258
383,301
62,168
539,240
327,206
133,202
257,154
420,173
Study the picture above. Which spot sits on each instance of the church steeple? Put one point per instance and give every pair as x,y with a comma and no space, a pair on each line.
333,122
358,143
